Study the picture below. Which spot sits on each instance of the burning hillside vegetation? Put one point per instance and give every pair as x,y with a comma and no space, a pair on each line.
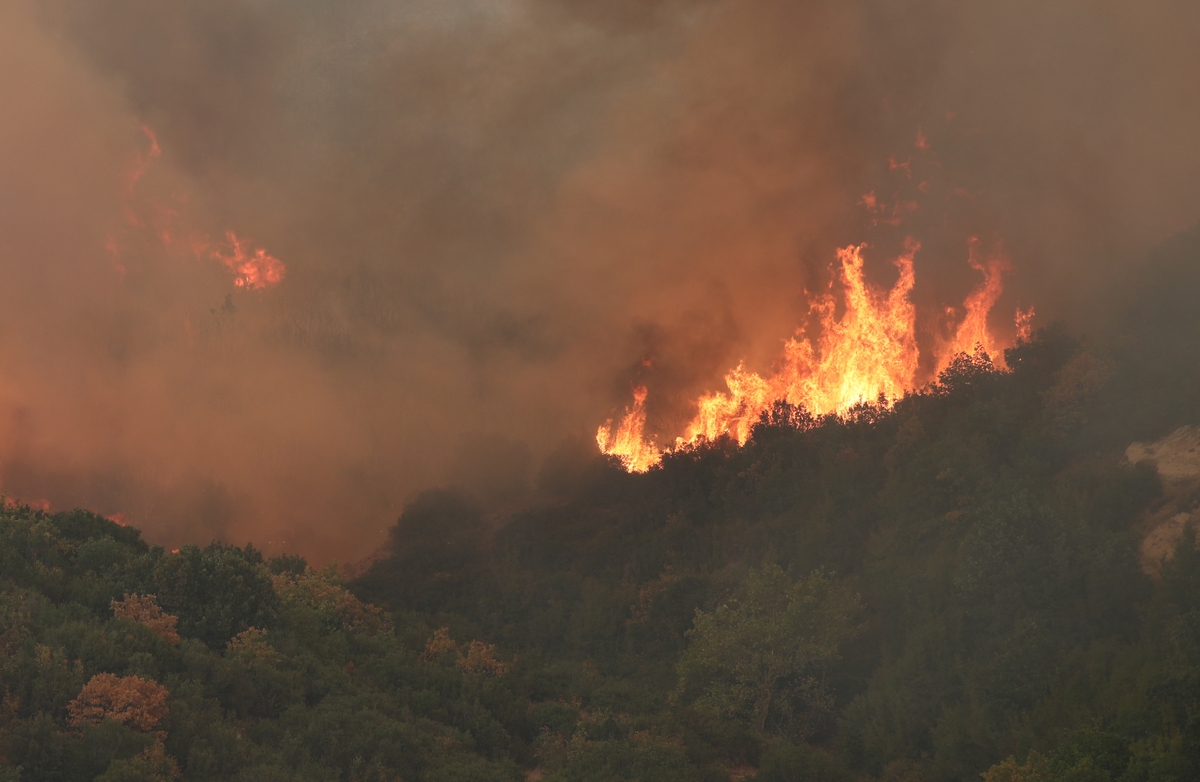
867,354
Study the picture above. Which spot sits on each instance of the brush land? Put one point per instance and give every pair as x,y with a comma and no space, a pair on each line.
960,585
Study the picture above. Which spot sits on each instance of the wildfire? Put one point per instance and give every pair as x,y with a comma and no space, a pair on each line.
628,442
255,270
868,355
141,165
1024,321
972,331
252,267
870,351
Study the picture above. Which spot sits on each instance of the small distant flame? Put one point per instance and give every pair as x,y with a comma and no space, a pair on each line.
906,166
880,213
143,161
628,441
252,268
1024,323
14,502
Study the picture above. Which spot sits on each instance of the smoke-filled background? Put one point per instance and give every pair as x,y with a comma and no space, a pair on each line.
496,215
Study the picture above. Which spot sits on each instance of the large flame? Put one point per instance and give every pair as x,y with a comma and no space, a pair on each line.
870,350
972,333
868,355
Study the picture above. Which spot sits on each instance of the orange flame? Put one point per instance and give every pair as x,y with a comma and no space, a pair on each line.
628,442
1024,322
257,270
142,162
972,333
868,355
870,351
252,268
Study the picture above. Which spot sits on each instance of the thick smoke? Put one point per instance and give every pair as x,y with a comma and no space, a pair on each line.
496,216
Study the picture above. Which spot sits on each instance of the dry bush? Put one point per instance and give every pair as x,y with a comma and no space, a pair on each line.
439,643
337,608
251,645
481,659
144,610
152,764
130,700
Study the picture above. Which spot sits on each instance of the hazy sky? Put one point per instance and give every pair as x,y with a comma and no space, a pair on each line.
494,215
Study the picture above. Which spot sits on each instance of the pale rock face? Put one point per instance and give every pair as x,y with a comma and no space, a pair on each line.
1176,456
1177,459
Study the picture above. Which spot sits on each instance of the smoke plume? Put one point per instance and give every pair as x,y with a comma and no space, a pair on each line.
496,216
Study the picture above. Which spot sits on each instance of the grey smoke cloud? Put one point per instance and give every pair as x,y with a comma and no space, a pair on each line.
495,216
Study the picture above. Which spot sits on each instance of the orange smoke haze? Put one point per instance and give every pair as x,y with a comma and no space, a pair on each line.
270,267
251,267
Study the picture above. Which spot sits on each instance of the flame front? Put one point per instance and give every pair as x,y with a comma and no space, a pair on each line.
870,350
869,354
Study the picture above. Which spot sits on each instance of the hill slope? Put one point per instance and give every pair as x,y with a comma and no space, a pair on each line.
953,586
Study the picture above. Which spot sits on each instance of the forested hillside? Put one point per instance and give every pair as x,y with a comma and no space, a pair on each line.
936,590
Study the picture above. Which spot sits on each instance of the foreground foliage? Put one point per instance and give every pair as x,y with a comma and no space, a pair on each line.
767,648
274,673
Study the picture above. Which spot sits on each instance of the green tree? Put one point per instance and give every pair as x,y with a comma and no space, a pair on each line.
152,765
766,648
436,554
217,592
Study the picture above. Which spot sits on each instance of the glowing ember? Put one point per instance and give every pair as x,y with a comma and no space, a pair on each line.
868,355
254,269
